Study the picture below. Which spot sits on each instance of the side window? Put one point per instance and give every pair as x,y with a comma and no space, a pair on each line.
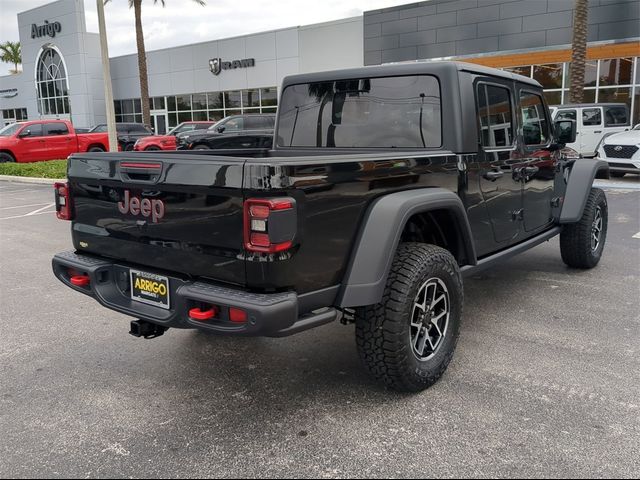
233,124
252,123
55,128
535,128
495,116
615,116
266,142
591,117
35,130
566,115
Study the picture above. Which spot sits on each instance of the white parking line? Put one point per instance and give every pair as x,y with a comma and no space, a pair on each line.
21,190
24,206
39,211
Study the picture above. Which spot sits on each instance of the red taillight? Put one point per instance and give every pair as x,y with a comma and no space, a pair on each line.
63,201
269,224
237,316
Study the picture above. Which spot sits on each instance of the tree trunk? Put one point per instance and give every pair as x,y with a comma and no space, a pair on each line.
579,50
142,63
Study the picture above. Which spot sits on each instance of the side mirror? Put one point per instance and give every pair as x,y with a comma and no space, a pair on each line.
565,131
221,128
25,133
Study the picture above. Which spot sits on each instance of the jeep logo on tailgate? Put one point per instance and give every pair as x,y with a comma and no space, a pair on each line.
145,207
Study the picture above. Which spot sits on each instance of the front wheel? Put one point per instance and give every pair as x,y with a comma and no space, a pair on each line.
407,340
582,243
6,158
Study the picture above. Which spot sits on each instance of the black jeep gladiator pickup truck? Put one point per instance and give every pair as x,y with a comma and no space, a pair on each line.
385,186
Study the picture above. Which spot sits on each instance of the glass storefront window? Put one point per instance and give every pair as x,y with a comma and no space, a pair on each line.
184,117
183,102
590,74
269,109
232,112
199,101
615,95
215,100
171,104
127,107
200,116
158,103
269,97
250,98
232,99
589,96
137,105
553,98
616,71
549,76
636,107
216,115
173,120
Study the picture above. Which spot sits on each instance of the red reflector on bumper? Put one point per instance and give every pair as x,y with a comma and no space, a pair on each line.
80,280
237,316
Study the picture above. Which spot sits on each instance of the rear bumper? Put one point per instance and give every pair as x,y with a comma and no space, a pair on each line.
271,314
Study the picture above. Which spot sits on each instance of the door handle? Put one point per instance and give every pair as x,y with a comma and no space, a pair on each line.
597,131
493,175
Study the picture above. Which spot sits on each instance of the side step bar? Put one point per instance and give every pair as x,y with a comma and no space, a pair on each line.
487,262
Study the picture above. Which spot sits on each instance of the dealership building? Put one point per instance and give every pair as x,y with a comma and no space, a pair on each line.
62,73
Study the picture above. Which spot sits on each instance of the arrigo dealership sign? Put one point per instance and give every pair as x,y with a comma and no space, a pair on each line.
48,29
216,65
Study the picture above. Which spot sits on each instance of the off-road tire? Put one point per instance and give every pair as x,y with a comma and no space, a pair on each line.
383,331
576,238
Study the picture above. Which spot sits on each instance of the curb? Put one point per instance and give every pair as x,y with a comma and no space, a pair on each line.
41,181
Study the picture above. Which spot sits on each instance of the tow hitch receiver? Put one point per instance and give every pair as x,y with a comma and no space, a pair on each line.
148,330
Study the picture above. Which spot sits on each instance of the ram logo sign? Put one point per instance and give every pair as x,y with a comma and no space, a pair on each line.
216,65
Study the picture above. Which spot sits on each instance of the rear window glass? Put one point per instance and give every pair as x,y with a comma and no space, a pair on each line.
495,116
386,112
56,128
566,115
616,116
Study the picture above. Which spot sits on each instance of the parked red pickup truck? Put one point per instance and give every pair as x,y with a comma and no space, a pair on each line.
168,141
46,140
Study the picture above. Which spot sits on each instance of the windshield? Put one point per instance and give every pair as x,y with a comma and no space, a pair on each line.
10,129
98,129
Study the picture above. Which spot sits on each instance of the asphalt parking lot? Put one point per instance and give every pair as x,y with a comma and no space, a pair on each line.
545,380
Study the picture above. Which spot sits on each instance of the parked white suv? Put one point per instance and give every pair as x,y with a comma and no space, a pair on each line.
622,152
593,122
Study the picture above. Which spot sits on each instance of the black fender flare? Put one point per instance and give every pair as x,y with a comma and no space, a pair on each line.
379,236
579,184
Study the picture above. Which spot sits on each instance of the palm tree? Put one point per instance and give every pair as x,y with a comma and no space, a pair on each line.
10,53
579,50
142,55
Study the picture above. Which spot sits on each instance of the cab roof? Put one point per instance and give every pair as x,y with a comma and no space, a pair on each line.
439,69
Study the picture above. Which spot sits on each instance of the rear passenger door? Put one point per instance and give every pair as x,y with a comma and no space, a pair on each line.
60,143
538,169
499,158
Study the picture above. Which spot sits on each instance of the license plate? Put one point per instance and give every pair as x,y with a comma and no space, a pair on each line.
149,288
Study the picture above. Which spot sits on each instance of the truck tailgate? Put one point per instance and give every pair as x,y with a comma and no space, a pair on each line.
168,212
